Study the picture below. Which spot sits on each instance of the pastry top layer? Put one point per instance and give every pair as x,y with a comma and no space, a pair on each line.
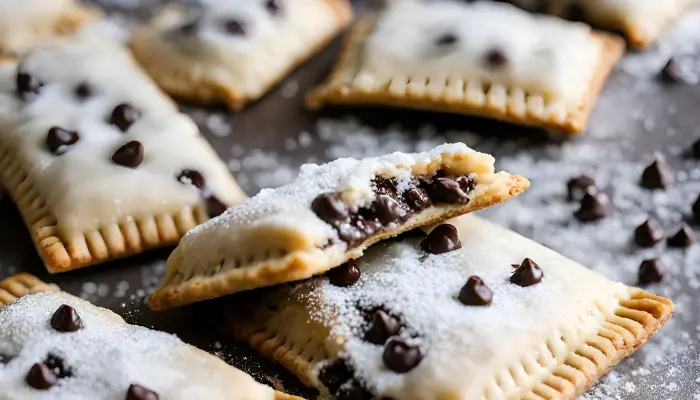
99,98
484,42
468,351
106,355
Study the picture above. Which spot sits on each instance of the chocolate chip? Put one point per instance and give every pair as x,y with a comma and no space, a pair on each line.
652,271
58,367
330,207
66,319
353,390
124,115
495,58
577,187
442,239
696,149
381,328
696,208
334,375
446,40
235,27
475,293
446,190
83,91
129,155
28,86
593,206
527,274
273,7
192,178
387,210
138,392
648,234
680,69
683,238
417,199
41,377
345,274
215,207
401,357
657,175
466,182
58,140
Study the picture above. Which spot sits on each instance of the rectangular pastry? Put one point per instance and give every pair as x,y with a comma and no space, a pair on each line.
470,311
26,23
101,163
327,215
54,345
233,52
485,59
16,286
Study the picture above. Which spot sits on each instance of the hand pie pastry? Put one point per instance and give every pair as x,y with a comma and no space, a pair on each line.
485,59
494,316
16,286
54,345
100,163
26,23
233,52
328,215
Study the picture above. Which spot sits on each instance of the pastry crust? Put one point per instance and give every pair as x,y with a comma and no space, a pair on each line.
212,80
466,96
295,326
16,286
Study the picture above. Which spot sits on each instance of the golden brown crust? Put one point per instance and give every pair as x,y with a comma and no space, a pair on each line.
339,89
16,286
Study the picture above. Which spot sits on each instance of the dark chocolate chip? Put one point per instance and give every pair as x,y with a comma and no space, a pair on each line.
648,234
577,187
683,238
466,182
652,271
680,70
58,367
446,190
594,206
475,293
446,40
129,155
66,319
401,357
41,377
83,91
696,208
381,328
4,359
353,390
58,140
273,7
138,392
334,375
417,199
387,210
442,239
235,27
495,58
124,115
657,175
345,274
28,86
696,149
330,207
192,178
215,207
527,274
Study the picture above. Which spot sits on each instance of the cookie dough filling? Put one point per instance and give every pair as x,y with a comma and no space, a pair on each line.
327,216
496,317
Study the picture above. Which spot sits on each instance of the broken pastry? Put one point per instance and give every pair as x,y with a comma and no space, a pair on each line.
328,215
484,59
470,311
233,52
100,162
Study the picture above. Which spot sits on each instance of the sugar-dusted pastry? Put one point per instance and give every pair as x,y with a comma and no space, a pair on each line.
26,23
233,52
56,346
470,311
485,59
100,163
329,214
16,286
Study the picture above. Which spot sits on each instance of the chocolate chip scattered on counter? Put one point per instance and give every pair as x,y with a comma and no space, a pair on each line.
129,155
495,59
215,207
330,207
475,293
334,375
683,238
41,377
446,190
696,208
657,175
28,86
444,238
381,327
58,140
527,274
344,275
273,6
387,210
680,69
124,115
577,187
446,40
594,206
401,357
138,392
83,91
66,319
696,149
648,233
652,270
417,199
192,178
235,27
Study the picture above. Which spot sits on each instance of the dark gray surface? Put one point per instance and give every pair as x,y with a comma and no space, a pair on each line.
621,137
